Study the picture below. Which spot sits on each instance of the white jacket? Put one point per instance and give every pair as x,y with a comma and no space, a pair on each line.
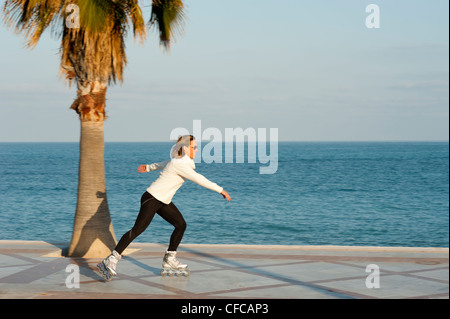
174,174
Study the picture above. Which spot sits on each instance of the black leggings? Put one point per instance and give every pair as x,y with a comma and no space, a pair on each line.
150,206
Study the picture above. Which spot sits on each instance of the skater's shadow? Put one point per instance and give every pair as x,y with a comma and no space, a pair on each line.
219,261
86,269
140,264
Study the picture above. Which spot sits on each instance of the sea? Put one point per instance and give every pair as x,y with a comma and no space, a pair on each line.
322,193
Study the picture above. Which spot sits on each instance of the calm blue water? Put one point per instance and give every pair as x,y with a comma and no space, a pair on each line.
386,194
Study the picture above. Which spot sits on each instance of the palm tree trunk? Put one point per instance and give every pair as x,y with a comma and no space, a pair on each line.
93,234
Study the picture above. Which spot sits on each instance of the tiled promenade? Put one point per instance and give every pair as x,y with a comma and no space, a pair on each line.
33,269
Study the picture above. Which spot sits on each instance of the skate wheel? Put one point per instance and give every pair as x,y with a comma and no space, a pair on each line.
104,272
163,273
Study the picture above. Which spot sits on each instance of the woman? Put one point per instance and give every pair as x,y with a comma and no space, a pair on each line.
158,199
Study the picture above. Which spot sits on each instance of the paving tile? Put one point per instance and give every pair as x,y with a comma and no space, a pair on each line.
391,287
437,274
309,272
282,292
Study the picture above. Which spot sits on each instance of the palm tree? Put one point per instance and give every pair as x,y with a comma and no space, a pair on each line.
92,51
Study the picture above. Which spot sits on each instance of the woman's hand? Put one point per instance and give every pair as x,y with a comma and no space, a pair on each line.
142,168
226,195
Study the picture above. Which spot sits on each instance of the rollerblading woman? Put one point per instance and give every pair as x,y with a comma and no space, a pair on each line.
158,200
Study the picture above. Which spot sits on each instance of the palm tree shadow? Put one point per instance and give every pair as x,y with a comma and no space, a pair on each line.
97,227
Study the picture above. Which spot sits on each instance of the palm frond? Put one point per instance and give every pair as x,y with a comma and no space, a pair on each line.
168,17
94,14
31,17
137,19
96,51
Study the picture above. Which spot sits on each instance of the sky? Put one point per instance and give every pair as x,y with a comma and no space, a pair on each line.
311,69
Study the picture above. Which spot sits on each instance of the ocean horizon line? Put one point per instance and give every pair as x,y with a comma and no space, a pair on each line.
207,141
